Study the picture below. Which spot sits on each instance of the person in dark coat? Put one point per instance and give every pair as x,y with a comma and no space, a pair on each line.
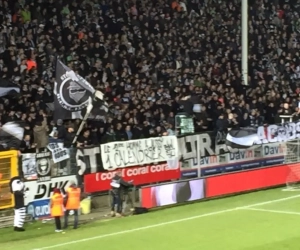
118,186
70,135
62,132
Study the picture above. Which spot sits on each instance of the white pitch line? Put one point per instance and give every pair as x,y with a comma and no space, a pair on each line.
272,211
166,223
272,201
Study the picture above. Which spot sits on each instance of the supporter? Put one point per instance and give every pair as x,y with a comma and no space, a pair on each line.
109,136
61,130
95,138
120,134
70,135
26,145
128,132
170,129
85,139
153,59
40,133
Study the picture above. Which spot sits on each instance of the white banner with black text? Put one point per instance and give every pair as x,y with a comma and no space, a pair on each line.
59,153
138,152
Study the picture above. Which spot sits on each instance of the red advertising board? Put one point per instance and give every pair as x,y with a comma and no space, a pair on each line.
246,181
141,175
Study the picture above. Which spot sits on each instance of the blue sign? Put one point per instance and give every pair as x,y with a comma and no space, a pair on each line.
39,209
241,166
231,167
191,173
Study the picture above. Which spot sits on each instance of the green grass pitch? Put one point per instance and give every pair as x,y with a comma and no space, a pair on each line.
265,220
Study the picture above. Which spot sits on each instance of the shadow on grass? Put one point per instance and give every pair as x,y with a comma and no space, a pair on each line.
33,230
37,229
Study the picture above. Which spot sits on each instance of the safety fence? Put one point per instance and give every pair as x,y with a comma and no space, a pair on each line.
145,161
148,161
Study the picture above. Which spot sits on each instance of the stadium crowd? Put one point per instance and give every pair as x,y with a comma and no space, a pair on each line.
152,59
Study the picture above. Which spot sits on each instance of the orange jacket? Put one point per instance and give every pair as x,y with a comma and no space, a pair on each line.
57,205
73,201
80,35
30,64
176,6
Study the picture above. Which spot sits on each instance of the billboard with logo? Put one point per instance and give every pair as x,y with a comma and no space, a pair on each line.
39,209
212,160
43,166
43,190
38,197
275,149
242,155
209,160
140,175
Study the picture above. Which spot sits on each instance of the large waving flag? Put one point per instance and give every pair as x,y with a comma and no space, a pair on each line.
74,96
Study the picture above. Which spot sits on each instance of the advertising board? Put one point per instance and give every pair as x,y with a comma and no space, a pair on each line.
241,165
231,167
246,181
220,185
261,156
43,190
39,209
38,196
242,155
172,193
271,150
141,175
211,160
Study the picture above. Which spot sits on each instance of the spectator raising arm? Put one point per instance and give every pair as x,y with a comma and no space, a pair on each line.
40,133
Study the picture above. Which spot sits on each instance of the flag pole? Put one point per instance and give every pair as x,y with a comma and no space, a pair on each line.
88,111
244,10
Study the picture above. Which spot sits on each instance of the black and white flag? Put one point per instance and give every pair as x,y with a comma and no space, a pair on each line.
73,94
8,88
11,136
275,133
43,166
100,107
241,138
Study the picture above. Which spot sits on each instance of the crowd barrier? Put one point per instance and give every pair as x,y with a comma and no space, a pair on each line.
202,156
214,186
147,161
8,169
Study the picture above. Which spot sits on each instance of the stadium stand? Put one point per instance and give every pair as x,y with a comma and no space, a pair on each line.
153,59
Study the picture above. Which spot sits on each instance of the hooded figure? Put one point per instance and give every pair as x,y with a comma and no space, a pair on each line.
17,188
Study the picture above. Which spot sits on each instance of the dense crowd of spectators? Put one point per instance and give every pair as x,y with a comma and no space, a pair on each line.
152,59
